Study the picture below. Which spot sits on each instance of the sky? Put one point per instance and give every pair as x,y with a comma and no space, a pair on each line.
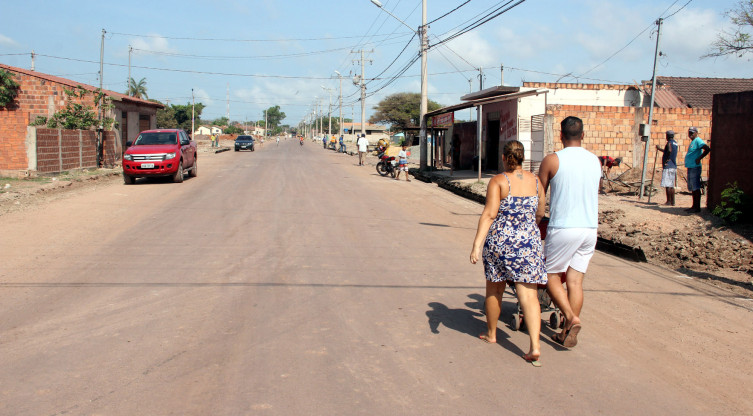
240,57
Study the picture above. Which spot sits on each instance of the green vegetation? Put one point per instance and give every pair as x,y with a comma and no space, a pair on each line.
178,116
77,116
137,89
401,110
734,203
8,88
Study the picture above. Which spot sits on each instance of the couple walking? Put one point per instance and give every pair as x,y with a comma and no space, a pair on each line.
508,239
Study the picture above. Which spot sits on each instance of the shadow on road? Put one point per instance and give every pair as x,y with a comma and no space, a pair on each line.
467,321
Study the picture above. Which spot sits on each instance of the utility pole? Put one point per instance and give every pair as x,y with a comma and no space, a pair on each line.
424,87
265,123
128,81
647,132
363,88
100,109
193,106
340,103
329,110
502,75
227,113
479,120
32,60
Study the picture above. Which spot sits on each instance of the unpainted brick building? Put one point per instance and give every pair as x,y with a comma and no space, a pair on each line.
25,149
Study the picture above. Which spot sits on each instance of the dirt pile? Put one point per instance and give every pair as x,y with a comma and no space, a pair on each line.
689,247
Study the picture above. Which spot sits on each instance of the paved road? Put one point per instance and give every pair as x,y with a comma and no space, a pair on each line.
291,281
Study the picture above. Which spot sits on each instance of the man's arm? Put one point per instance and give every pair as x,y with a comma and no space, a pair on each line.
706,150
547,170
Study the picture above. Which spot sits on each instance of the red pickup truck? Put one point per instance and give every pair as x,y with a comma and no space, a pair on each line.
166,152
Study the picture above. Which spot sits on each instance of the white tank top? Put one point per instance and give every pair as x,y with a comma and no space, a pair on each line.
574,190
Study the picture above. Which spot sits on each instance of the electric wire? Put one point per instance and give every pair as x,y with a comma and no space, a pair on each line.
450,12
485,20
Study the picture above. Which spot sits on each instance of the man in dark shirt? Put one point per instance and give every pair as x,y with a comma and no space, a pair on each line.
669,167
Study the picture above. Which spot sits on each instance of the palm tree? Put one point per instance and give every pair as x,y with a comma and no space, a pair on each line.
137,89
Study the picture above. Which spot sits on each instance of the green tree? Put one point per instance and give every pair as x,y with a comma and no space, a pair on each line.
8,88
739,41
165,117
274,117
183,115
222,121
401,110
235,129
137,89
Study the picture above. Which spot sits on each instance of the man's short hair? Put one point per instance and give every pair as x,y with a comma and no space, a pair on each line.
572,128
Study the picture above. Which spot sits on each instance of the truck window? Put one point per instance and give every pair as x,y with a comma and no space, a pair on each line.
156,139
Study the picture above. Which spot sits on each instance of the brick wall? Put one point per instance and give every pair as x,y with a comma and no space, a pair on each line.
613,131
13,140
62,150
38,96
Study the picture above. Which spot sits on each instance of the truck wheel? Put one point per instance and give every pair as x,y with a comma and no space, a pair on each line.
178,177
128,179
193,172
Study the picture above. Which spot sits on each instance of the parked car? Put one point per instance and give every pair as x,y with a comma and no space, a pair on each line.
168,152
244,142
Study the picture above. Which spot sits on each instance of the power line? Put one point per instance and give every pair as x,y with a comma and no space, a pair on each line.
489,17
242,40
638,35
448,13
187,70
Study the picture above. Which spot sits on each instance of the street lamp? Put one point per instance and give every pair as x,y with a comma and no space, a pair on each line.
423,46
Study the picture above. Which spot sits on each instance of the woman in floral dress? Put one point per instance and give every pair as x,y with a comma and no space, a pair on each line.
509,241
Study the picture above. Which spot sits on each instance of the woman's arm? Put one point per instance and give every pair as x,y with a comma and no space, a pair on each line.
487,217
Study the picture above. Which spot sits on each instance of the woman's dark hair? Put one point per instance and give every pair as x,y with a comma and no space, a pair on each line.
514,153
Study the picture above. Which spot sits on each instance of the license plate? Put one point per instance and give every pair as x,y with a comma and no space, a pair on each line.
147,166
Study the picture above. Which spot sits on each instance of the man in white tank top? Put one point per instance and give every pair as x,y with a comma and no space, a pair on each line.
572,176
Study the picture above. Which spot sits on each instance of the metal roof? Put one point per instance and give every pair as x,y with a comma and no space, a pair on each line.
493,99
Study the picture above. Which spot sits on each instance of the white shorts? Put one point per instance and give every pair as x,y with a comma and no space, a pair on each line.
569,247
668,176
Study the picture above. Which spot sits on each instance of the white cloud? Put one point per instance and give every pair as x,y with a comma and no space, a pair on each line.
6,41
203,97
473,48
153,44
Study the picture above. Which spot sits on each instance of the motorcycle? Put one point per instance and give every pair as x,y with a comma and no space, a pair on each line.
387,165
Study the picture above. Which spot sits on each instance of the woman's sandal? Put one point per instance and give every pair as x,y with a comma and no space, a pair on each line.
534,362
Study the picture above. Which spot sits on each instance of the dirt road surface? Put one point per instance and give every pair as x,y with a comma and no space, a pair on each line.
292,281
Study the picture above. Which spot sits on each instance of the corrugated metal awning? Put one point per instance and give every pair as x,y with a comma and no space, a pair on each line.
494,99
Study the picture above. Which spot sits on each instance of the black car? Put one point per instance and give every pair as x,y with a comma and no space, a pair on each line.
244,142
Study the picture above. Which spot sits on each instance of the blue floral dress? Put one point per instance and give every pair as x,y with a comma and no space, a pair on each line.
513,251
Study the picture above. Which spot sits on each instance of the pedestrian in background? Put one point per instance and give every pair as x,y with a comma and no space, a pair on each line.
363,147
697,150
509,241
212,138
669,167
402,163
573,176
